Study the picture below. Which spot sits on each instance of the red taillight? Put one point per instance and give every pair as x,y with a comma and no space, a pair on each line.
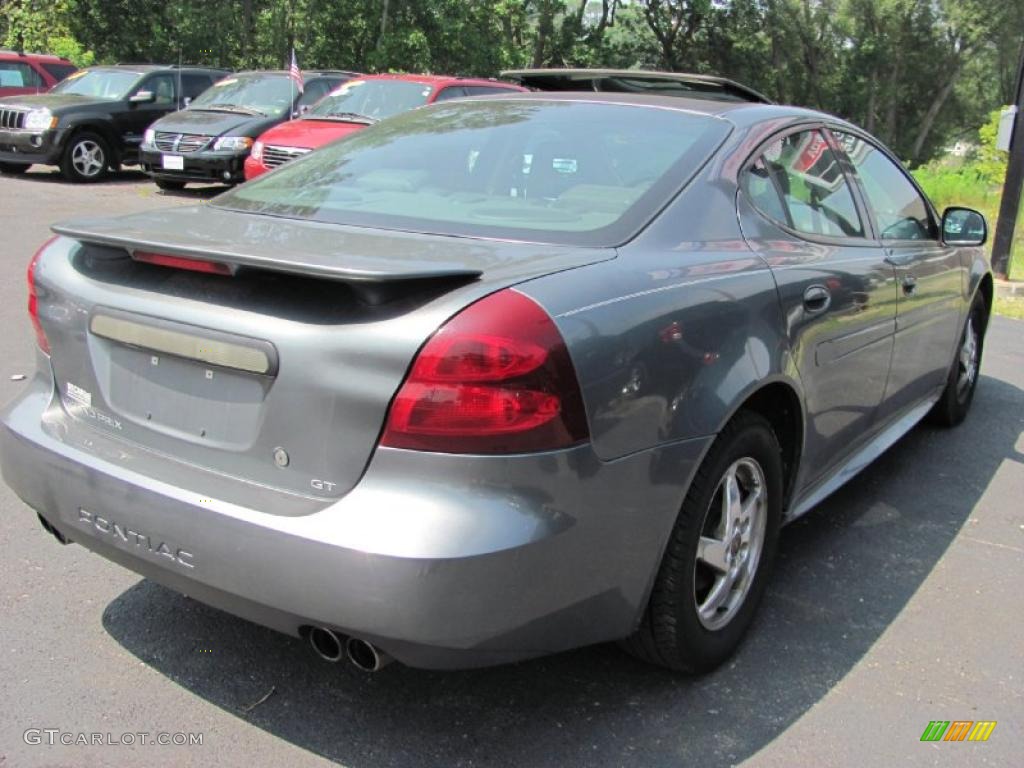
496,378
180,262
33,298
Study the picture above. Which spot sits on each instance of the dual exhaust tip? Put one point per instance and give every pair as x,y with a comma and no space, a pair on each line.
363,655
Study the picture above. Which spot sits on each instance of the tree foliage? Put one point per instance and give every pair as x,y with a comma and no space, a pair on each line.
918,73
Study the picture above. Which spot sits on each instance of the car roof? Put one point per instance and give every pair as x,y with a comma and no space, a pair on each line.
305,73
678,84
740,113
35,56
438,79
143,69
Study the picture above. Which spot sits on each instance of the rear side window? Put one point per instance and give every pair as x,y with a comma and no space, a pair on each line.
900,211
797,181
15,74
58,71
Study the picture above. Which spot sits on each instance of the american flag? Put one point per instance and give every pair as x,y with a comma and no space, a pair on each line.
295,73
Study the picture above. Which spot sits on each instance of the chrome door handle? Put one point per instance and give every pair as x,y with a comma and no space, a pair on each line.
817,299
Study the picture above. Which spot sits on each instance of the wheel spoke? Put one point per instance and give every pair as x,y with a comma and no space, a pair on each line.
712,552
732,505
716,597
749,508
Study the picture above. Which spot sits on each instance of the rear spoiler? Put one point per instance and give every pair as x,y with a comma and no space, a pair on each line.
636,81
308,264
373,281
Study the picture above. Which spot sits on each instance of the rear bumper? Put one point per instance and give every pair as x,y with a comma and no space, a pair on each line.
443,561
30,147
205,166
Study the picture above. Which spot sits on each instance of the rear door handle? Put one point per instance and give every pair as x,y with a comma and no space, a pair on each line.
817,298
909,285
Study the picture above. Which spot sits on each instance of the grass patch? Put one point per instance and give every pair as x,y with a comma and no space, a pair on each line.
960,185
1009,307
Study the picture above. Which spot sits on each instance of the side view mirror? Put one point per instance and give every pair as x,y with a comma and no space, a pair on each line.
142,97
963,226
186,101
300,111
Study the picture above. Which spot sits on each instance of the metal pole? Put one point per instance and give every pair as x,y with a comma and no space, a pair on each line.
1009,206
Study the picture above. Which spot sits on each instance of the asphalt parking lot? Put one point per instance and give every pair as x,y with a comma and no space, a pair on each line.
897,602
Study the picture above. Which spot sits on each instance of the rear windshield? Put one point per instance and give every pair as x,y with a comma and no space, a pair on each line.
269,94
98,83
375,99
565,172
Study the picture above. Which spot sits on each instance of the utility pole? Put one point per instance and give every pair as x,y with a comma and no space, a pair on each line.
1009,206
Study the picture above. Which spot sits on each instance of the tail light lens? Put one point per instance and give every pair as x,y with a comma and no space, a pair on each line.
496,378
33,299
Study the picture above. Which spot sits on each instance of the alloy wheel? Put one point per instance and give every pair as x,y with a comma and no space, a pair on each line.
731,542
88,158
968,359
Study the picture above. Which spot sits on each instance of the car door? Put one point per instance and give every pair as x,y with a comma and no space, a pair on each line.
929,274
135,118
798,210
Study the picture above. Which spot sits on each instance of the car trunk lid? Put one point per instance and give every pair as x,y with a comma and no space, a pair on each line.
278,374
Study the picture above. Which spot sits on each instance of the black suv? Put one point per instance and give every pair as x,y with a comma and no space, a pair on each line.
209,141
94,120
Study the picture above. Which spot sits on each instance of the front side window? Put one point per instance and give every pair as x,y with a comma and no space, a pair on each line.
900,211
797,181
162,88
451,92
98,83
565,172
486,90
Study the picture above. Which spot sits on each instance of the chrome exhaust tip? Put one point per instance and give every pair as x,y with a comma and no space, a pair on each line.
326,644
366,656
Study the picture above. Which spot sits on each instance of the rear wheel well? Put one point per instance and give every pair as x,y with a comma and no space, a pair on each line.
780,406
986,290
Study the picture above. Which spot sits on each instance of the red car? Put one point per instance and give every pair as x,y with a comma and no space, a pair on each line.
356,104
22,74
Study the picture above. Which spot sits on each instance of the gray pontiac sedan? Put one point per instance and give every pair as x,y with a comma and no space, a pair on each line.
498,378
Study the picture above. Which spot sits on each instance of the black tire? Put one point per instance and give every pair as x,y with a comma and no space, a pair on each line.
672,632
170,186
14,169
956,399
86,158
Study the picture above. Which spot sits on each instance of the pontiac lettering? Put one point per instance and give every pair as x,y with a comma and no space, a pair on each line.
127,535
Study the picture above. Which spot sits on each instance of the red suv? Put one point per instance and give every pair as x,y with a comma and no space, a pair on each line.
356,104
28,73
